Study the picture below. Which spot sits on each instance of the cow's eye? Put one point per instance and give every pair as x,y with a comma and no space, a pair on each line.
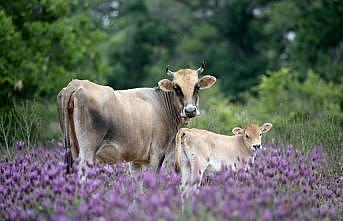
177,89
247,136
260,134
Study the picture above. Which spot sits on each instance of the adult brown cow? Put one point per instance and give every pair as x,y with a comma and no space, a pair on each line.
135,125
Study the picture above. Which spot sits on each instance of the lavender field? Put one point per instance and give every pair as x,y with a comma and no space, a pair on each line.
283,184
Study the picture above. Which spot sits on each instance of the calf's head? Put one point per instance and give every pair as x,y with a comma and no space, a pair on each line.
252,134
186,85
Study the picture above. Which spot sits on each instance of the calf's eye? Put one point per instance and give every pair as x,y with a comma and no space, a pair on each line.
247,136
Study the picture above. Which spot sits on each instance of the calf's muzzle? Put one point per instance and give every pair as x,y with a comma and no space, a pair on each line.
256,146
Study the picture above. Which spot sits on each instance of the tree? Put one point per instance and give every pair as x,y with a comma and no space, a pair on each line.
43,46
318,43
139,41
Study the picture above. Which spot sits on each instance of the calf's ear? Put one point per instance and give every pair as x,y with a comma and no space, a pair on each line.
207,81
237,131
165,85
266,127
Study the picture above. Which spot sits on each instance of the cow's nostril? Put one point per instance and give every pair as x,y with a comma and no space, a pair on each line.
190,109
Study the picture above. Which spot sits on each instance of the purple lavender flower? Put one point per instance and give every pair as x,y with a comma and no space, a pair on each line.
19,144
282,184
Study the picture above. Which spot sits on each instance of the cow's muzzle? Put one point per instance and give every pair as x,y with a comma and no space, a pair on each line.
190,111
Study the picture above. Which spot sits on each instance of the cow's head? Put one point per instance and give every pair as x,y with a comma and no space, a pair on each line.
186,85
252,134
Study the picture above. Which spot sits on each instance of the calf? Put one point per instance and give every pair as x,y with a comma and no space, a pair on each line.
198,151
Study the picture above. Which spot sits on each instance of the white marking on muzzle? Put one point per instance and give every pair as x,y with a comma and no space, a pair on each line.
190,109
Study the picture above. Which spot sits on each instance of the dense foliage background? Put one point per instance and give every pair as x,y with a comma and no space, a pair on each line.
278,61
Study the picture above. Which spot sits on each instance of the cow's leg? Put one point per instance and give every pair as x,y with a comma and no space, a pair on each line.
134,168
185,187
191,179
156,162
186,167
160,163
200,166
169,159
87,153
88,137
201,175
156,158
196,174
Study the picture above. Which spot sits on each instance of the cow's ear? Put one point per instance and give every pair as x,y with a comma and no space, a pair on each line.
266,127
207,81
165,85
237,131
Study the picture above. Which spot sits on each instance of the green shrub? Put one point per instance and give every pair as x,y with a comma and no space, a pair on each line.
281,94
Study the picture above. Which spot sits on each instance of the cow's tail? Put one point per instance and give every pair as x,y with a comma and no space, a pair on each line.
178,146
65,106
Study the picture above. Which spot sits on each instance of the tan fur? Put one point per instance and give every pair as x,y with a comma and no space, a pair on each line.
186,79
199,151
178,143
135,125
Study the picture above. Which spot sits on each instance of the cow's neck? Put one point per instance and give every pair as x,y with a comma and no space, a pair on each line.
172,111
